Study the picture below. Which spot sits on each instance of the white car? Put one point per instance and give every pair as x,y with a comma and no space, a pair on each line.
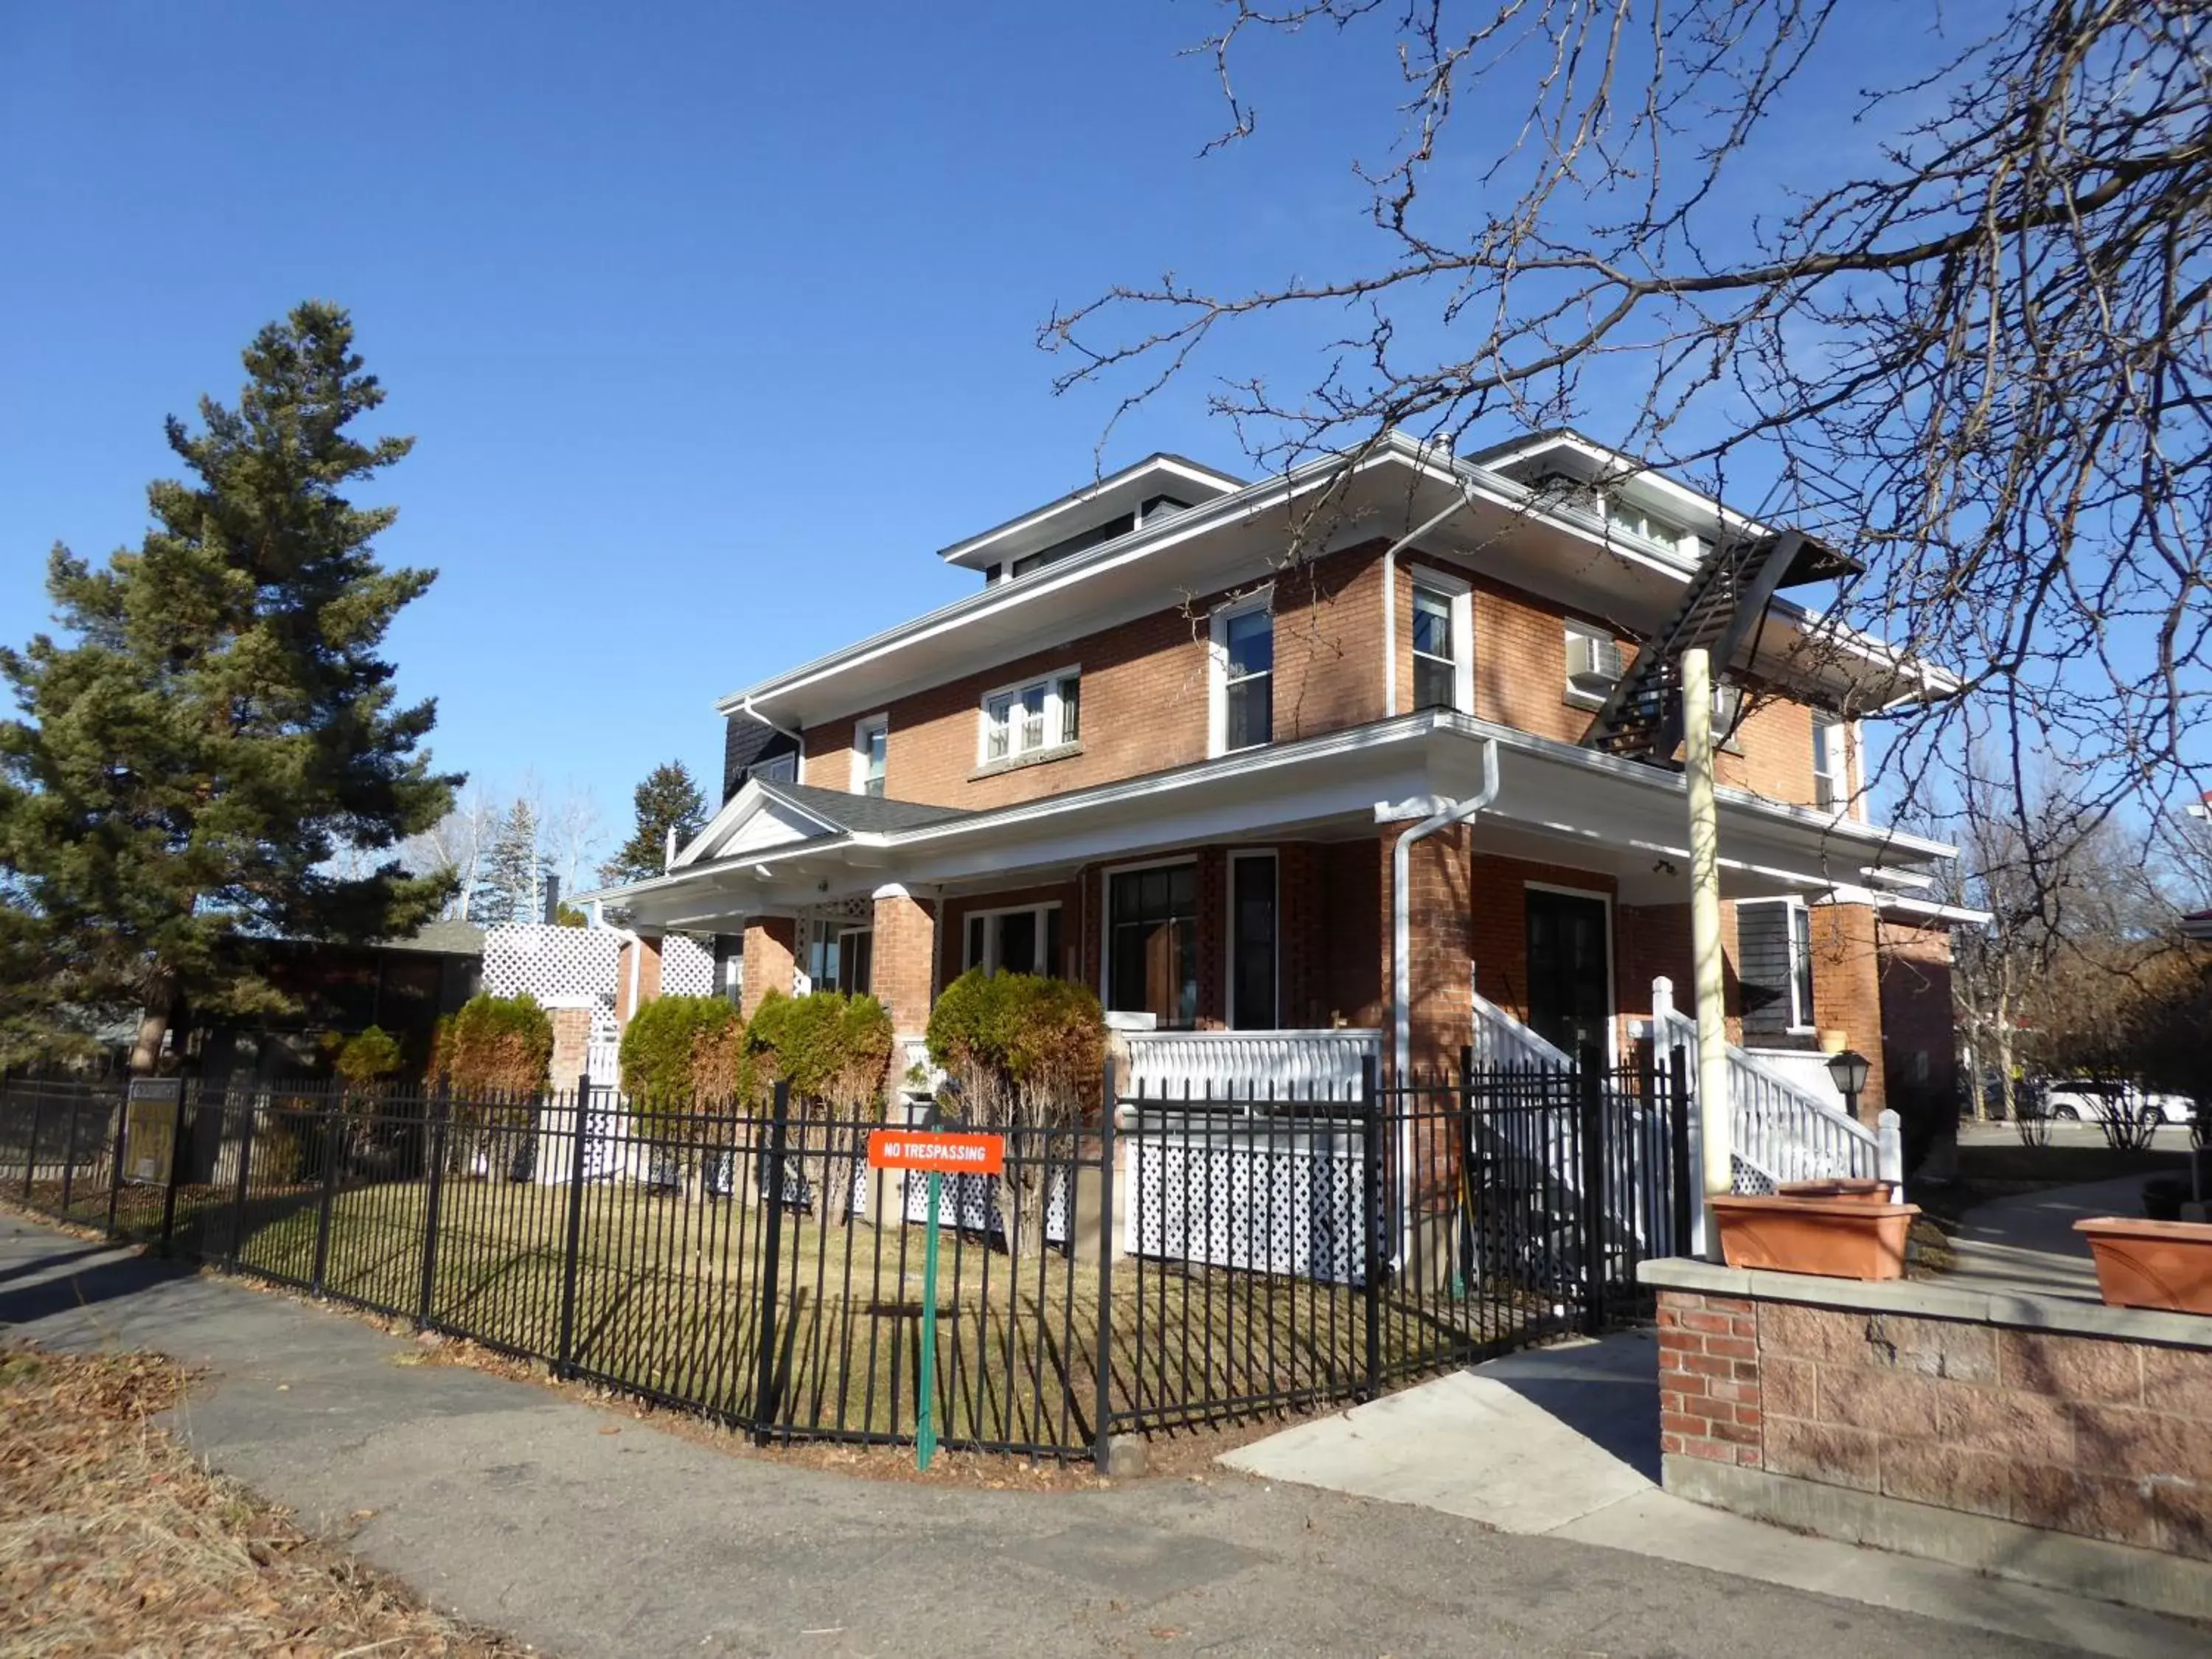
2079,1105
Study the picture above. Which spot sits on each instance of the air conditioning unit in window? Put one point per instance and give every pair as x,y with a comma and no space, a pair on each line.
1593,663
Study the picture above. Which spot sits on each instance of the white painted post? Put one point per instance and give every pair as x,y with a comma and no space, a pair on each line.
1889,1153
1705,930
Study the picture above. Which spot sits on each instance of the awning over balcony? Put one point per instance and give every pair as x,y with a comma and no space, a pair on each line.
776,847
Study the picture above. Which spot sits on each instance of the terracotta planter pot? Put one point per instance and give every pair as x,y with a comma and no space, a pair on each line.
2152,1264
1835,1237
1848,1189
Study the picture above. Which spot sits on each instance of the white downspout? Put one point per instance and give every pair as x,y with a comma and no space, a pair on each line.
1390,604
1401,979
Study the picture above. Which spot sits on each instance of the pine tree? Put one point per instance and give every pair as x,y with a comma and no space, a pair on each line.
667,800
216,723
514,871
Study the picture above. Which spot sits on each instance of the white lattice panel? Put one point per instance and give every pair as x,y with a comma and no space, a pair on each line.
687,967
555,964
1289,1204
970,1204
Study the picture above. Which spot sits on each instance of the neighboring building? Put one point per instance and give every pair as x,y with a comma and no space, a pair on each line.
1155,752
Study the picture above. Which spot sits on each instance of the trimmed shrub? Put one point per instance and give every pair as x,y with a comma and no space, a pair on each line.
367,1058
680,1056
833,1051
1025,1053
500,1046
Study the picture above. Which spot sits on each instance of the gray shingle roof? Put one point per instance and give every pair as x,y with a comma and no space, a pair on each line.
867,814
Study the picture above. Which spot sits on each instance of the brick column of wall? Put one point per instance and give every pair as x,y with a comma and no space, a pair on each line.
572,1036
771,954
637,976
1439,952
1709,1398
903,963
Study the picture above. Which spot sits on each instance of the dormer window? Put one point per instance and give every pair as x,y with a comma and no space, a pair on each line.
1642,522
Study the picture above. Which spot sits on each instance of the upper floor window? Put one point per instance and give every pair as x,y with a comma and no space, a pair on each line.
1727,716
1831,782
1774,951
871,747
1642,522
1039,714
1244,674
1443,654
776,768
1594,663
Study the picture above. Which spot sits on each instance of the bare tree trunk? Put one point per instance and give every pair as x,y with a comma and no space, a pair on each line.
161,1008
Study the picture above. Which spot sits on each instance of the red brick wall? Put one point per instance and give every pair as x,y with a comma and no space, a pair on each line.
1847,990
1916,1016
1145,695
638,963
1353,978
572,1035
2099,1437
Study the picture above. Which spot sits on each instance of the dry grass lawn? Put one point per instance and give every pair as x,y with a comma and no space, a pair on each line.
113,1541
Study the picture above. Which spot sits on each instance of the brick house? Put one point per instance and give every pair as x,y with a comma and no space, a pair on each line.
1168,745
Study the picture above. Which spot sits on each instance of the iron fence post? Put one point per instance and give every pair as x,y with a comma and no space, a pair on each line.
1463,1241
69,1159
564,1364
330,1193
115,1166
1677,1147
176,1159
1371,1204
1590,1132
1102,1364
31,1146
441,1110
764,1401
238,1193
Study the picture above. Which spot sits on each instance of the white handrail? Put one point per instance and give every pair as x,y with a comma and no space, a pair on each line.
1780,1132
1502,1040
1321,1064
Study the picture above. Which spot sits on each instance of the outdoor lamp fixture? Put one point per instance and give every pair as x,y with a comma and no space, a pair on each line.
1847,1070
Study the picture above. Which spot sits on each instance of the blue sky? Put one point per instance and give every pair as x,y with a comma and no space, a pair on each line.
711,323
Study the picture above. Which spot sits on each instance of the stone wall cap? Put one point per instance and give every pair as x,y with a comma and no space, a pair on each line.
1931,1299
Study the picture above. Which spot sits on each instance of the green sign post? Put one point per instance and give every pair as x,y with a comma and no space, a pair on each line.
925,1433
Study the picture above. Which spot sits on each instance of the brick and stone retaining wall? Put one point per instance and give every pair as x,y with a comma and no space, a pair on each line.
1970,1427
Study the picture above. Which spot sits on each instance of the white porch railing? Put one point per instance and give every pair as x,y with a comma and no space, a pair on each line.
918,1077
1500,1040
1301,1065
1777,1131
603,1062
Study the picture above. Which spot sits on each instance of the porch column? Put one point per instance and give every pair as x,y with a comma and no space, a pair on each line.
572,1037
771,954
902,972
637,976
1440,955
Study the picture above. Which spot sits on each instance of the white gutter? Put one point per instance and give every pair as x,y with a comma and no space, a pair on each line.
1390,603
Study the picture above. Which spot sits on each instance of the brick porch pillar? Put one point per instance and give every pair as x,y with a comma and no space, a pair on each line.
572,1036
1847,990
902,972
771,954
637,976
1440,946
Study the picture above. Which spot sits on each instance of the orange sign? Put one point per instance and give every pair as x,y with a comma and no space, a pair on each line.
905,1149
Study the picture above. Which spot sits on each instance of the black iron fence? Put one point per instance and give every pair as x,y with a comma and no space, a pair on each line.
1180,1261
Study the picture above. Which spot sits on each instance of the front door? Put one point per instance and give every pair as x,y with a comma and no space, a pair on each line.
1570,987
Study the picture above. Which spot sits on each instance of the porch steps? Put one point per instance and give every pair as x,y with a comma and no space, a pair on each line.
1726,599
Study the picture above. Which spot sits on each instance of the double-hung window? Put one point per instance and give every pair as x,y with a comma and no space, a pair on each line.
1774,950
1830,782
871,747
1244,674
1443,658
1032,718
1026,940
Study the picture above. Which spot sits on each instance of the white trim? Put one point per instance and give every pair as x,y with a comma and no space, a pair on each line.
1459,595
1229,938
1106,874
1217,669
1013,689
1611,968
1152,466
864,728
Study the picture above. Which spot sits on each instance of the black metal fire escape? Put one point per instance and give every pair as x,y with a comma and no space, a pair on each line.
1727,596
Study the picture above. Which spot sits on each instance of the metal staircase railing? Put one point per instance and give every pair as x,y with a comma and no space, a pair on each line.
1726,598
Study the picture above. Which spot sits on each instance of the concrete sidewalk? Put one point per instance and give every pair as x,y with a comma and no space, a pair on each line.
587,1533
2028,1244
1562,1443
